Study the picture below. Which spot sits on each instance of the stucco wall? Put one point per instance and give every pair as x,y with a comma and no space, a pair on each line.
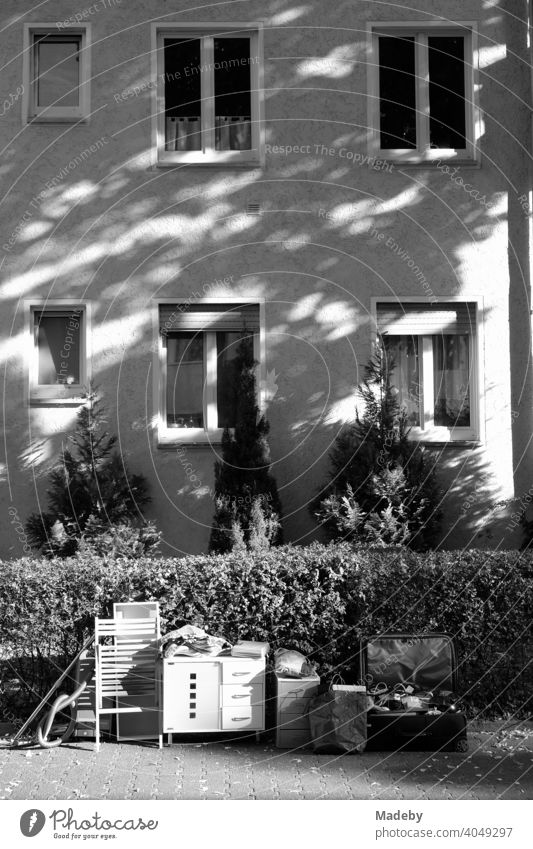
119,232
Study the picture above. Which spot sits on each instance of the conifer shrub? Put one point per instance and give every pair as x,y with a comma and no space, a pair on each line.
383,486
93,500
247,505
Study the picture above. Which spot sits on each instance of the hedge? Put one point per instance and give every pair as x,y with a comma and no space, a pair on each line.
319,599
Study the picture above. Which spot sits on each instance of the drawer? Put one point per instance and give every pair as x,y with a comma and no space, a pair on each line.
294,703
246,717
241,695
292,739
290,721
243,672
297,688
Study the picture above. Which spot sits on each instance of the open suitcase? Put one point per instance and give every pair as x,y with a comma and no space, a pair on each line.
415,675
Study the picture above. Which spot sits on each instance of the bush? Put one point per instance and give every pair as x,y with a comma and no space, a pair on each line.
247,505
321,600
383,489
92,494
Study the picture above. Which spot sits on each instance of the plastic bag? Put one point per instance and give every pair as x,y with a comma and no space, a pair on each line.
292,664
338,721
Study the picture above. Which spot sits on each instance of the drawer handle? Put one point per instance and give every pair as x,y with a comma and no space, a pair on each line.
240,696
239,718
236,674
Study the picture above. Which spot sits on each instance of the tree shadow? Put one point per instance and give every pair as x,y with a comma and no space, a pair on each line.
121,234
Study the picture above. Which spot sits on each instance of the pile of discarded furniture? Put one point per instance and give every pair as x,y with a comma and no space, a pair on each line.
132,684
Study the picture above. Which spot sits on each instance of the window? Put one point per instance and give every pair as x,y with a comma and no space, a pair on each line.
208,94
432,350
58,371
421,97
56,71
198,382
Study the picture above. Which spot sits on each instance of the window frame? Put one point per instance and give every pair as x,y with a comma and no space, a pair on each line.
170,436
31,113
429,432
244,158
60,394
420,30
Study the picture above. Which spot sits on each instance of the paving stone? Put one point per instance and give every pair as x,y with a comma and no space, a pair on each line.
242,770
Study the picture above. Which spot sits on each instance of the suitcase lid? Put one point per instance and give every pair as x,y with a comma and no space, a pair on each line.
426,661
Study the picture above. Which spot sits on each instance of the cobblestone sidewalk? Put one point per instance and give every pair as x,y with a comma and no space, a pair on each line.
499,765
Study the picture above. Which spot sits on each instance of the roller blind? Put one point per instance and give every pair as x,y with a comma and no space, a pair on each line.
426,319
231,317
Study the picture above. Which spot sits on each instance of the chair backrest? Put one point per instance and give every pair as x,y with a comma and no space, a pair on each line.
126,651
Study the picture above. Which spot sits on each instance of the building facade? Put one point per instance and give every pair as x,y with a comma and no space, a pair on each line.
172,178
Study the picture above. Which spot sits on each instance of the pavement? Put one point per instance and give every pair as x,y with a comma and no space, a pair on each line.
498,765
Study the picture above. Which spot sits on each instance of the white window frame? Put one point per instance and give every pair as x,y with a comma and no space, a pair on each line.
428,431
207,32
420,30
59,394
210,433
31,113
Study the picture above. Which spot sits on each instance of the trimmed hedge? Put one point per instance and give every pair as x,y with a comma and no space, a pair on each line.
319,599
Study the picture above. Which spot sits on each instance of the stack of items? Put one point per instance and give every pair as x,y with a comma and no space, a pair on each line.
251,649
191,641
296,684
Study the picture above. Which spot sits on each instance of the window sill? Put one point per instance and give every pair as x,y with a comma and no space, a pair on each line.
56,119
443,436
176,437
66,401
462,444
222,161
433,164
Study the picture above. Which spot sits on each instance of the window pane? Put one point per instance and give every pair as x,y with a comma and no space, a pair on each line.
451,366
185,379
233,105
447,122
57,71
403,354
183,94
58,344
227,376
397,92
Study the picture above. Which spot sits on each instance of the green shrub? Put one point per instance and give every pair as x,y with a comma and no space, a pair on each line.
321,600
383,488
92,494
247,505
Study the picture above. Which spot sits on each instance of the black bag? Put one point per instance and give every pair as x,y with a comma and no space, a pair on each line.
406,669
337,721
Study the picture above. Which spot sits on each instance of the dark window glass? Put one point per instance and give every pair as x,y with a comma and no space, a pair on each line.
397,92
185,379
183,94
58,343
227,376
447,121
451,380
402,355
57,71
233,103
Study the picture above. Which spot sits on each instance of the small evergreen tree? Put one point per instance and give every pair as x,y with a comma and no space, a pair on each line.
247,505
91,494
383,488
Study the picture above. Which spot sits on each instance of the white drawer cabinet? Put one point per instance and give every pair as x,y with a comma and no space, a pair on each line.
212,694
